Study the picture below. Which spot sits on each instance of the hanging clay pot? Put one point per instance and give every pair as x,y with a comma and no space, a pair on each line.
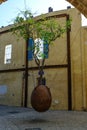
41,98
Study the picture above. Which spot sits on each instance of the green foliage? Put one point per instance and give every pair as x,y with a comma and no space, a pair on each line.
23,24
47,29
26,26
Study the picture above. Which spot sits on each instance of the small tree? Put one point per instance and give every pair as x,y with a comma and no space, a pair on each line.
45,29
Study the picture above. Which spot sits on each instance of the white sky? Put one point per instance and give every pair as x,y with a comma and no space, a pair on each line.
10,8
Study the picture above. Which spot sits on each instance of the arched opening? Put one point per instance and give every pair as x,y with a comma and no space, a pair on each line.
1,1
81,5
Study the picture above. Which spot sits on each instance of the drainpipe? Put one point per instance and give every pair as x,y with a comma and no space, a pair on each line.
69,69
26,75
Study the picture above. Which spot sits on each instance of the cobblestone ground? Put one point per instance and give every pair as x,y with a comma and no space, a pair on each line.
17,118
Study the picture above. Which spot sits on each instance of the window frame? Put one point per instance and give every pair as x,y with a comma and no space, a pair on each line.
8,54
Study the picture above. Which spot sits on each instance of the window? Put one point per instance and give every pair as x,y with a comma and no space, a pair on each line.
8,51
39,48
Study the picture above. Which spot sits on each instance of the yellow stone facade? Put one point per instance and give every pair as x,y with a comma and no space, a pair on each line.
12,80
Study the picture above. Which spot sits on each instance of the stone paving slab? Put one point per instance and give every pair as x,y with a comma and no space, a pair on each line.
17,118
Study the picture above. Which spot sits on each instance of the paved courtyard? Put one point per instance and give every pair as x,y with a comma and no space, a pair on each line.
17,118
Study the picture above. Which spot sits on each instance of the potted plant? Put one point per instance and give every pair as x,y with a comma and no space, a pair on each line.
38,32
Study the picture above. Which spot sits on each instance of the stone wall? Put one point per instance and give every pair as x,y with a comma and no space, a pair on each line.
56,77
